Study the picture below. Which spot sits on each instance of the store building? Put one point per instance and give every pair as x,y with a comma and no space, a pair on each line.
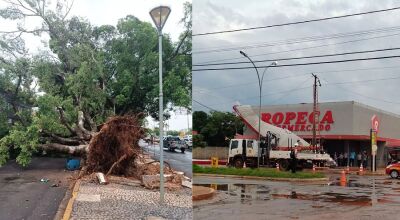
341,126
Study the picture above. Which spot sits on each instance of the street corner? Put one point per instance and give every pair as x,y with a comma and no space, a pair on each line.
202,193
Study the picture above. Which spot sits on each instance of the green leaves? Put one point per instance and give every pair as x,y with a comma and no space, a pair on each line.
217,126
100,71
23,139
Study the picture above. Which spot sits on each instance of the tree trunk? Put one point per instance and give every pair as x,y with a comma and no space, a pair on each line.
73,150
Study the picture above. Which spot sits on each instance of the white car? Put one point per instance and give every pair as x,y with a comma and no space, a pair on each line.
188,142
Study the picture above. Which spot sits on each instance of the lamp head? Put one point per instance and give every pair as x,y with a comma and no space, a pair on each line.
160,15
243,53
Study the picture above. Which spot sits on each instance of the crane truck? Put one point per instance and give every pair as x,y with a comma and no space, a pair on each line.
275,146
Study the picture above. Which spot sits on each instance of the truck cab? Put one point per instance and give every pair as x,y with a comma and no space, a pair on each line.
241,150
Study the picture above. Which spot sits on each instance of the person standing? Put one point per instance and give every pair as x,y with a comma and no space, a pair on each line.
352,158
341,163
359,157
293,159
365,159
345,158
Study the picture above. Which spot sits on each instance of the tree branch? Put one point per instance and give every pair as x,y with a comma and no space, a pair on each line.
64,121
80,149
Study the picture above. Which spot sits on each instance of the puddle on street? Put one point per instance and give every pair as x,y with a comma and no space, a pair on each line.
11,178
360,194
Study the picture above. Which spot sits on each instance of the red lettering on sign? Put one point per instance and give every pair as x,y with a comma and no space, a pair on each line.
301,117
298,121
277,118
266,117
289,116
327,127
328,118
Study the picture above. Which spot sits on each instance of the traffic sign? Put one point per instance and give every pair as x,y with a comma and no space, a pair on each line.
375,123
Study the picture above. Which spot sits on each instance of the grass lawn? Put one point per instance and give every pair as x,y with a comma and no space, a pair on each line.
260,172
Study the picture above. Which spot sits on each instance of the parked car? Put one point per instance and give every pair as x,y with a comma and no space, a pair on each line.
174,142
393,170
188,142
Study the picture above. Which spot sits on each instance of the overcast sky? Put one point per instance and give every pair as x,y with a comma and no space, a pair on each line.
220,90
101,12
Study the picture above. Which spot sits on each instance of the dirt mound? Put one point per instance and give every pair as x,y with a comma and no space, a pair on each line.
115,147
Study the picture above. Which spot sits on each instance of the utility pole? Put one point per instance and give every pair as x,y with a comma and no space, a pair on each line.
315,110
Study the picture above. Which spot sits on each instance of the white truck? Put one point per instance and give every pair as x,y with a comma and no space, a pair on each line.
276,145
246,150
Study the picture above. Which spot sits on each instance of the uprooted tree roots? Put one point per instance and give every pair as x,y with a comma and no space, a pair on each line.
115,150
115,147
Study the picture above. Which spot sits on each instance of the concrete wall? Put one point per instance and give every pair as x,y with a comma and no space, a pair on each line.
208,152
389,123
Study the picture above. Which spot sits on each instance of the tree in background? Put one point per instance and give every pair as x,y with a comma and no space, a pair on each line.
216,128
58,98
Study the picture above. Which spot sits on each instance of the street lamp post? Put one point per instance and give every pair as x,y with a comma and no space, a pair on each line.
160,15
260,82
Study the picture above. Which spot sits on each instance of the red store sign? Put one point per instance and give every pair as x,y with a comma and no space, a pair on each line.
298,121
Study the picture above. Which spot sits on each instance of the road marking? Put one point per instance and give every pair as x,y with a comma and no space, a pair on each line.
68,209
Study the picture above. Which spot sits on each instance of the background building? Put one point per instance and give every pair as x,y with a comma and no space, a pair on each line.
342,126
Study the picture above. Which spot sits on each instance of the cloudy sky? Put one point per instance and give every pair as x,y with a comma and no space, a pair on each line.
373,82
101,12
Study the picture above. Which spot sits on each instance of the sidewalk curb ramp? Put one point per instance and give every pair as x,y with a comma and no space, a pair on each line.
201,193
325,179
68,209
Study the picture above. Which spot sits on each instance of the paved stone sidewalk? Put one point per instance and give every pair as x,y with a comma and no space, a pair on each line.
115,201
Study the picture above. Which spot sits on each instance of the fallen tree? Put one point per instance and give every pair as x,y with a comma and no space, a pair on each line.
57,99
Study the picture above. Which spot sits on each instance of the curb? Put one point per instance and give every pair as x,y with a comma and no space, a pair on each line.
208,162
207,195
325,179
68,209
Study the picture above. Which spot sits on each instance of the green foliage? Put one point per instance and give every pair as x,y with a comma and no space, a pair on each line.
217,127
25,139
259,172
173,133
198,141
100,71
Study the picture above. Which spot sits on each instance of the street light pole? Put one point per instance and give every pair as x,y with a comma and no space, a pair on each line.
160,15
260,82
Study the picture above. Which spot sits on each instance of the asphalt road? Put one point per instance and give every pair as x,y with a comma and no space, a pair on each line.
363,197
23,196
179,161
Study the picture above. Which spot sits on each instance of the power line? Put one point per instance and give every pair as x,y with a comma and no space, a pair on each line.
304,48
303,74
298,40
300,64
362,95
304,57
267,94
296,22
203,105
286,92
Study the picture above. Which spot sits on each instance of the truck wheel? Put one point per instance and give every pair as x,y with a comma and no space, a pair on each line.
394,174
238,163
183,150
284,164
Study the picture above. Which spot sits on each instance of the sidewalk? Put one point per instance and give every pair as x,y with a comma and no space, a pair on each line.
116,201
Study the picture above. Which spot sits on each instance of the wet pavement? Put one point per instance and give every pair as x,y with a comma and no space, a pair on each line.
24,196
362,197
178,161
